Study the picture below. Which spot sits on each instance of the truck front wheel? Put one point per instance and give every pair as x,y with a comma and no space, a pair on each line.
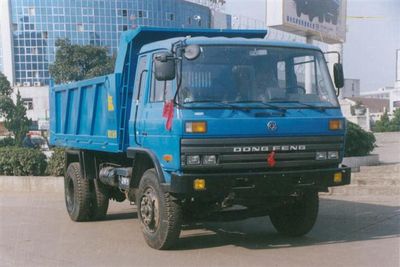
297,217
77,194
160,216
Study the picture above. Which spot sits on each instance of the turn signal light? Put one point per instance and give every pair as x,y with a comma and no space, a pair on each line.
337,178
196,127
199,184
335,125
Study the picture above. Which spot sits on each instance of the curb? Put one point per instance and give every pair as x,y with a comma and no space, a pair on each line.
46,184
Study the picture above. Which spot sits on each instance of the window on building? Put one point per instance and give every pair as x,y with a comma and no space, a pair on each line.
189,20
87,11
143,14
170,16
28,103
29,27
45,35
31,11
58,11
122,27
32,50
59,27
80,28
122,12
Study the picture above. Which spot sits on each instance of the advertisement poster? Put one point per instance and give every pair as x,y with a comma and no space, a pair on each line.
325,20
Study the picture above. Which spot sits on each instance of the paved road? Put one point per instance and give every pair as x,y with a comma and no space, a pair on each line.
351,231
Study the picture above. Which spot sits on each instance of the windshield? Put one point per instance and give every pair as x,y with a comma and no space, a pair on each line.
246,74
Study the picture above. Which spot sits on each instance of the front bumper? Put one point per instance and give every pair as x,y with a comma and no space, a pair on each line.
278,183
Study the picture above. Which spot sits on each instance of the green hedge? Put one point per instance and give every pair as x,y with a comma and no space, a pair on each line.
8,141
22,161
358,141
55,167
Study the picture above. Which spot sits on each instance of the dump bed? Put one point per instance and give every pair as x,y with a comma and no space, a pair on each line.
94,114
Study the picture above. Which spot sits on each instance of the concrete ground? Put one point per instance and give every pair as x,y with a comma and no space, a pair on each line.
350,231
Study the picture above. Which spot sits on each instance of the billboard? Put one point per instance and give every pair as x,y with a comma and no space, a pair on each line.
325,20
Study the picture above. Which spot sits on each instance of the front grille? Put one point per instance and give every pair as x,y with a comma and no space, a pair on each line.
252,153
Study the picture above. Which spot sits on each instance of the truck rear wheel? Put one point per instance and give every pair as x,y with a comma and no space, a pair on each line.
77,194
160,217
100,201
296,218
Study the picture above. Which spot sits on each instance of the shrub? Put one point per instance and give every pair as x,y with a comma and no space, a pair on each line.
387,125
22,161
55,166
358,141
8,141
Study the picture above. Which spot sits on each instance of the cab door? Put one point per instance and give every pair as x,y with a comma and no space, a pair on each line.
141,86
156,136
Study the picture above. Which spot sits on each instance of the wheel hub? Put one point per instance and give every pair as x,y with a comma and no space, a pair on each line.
149,210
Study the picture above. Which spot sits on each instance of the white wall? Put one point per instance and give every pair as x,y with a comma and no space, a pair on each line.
6,40
40,98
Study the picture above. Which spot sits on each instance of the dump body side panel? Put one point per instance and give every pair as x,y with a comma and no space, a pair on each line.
85,114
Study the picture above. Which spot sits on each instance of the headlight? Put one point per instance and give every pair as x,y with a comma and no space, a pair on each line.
193,160
333,155
209,160
320,156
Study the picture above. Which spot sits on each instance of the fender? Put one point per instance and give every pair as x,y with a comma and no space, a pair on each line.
131,153
86,162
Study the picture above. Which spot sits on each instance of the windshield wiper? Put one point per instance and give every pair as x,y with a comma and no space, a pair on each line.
305,104
283,110
221,104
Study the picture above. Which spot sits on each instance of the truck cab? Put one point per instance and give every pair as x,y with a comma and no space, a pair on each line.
204,125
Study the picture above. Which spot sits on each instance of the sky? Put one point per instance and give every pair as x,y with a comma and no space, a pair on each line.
370,48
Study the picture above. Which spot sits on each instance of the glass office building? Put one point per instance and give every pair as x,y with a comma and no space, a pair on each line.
37,24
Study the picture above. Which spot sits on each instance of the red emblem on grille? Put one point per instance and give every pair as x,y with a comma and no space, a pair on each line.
271,159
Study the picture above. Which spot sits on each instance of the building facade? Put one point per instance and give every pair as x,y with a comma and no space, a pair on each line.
35,25
29,30
351,88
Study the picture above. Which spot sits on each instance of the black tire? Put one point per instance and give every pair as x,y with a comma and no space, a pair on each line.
296,218
159,215
77,194
100,201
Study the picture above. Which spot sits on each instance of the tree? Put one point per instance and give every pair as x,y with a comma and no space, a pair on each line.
77,62
383,124
5,86
14,115
387,125
395,122
6,103
17,122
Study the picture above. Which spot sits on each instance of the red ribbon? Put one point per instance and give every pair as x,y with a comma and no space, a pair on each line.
168,113
271,159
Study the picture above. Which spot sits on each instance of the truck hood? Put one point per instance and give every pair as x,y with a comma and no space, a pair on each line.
263,122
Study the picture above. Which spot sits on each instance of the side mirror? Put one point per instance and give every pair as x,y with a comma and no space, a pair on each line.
164,66
338,75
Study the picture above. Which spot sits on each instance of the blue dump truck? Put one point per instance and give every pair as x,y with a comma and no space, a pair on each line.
202,125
